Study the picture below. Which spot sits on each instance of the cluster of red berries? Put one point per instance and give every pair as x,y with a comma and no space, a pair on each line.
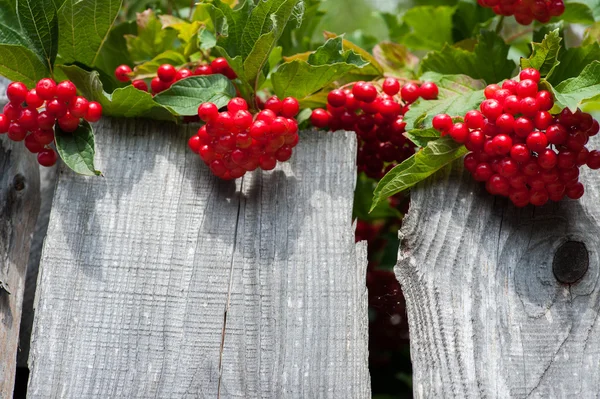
30,115
233,142
525,11
377,118
167,74
518,148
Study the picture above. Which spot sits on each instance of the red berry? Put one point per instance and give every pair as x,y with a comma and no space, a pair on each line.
510,85
459,132
527,88
66,91
68,122
537,141
470,162
501,95
483,172
208,112
219,65
267,162
593,159
389,108
140,85
78,107
289,107
319,118
166,73
523,127
491,109
547,159
16,132
391,86
46,88
33,100
4,124
44,136
505,123
284,153
47,157
122,73
32,144
556,8
364,92
575,191
519,196
508,167
502,144
475,141
266,115
336,98
442,122
544,100
56,108
529,107
203,70
28,119
538,197
567,159
474,119
512,105
16,92
410,92
182,74
490,90
520,153
428,91
94,112
274,104
238,104
543,119
259,130
530,73
242,120
157,85
498,185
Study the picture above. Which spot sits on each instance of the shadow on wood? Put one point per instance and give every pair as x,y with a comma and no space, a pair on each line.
139,266
487,315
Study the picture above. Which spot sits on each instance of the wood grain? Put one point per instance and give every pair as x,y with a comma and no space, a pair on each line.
487,316
139,266
19,206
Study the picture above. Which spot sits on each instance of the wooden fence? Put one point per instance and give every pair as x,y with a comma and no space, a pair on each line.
159,280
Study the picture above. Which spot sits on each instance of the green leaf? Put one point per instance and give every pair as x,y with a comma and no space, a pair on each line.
84,27
10,30
421,165
298,39
126,102
572,62
488,61
580,11
77,149
395,59
39,22
421,137
363,195
114,51
572,92
328,63
427,27
148,69
545,54
18,63
469,18
457,95
151,38
374,69
184,96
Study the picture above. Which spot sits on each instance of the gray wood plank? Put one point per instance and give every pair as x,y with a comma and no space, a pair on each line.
487,316
19,206
139,266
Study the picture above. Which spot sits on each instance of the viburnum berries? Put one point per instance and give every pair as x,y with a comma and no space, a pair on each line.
526,11
377,119
519,149
233,142
31,115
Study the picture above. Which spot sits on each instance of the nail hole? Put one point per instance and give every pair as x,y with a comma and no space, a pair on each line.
571,262
19,182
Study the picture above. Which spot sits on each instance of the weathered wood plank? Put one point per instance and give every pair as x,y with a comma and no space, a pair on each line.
19,206
487,316
138,267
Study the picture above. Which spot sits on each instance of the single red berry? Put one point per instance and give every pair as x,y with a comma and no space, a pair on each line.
208,112
428,91
68,122
519,196
529,107
474,119
556,8
512,105
238,104
566,159
459,132
544,100
575,191
78,106
46,88
527,88
16,132
498,185
538,197
66,91
274,104
203,70
364,92
16,92
523,126
490,90
336,98
593,159
122,73
389,108
56,108
410,92
491,109
543,119
4,124
242,120
166,73
284,153
289,107
140,85
157,85
259,130
391,86
219,65
501,95
483,172
267,162
547,159
475,140
510,85
45,120
530,73
182,74
194,143
266,115
28,119
32,144
556,134
442,122
502,144
520,153
470,162
508,167
44,136
94,112
537,141
33,100
319,118
505,123
47,157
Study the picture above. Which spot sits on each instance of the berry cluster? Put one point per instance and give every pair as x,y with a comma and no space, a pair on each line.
232,142
30,115
526,11
518,148
167,74
377,118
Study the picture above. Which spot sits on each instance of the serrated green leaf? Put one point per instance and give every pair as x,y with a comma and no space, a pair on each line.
10,30
457,95
488,61
421,137
544,55
573,61
374,68
114,51
151,38
77,149
572,92
184,96
297,39
126,102
18,63
328,63
39,22
427,27
84,26
421,165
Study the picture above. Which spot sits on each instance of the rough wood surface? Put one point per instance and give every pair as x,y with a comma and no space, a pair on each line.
487,316
19,206
139,266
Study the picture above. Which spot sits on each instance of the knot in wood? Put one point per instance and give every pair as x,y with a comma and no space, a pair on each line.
571,262
19,182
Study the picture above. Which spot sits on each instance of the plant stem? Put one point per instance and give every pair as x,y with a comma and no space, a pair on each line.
500,24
